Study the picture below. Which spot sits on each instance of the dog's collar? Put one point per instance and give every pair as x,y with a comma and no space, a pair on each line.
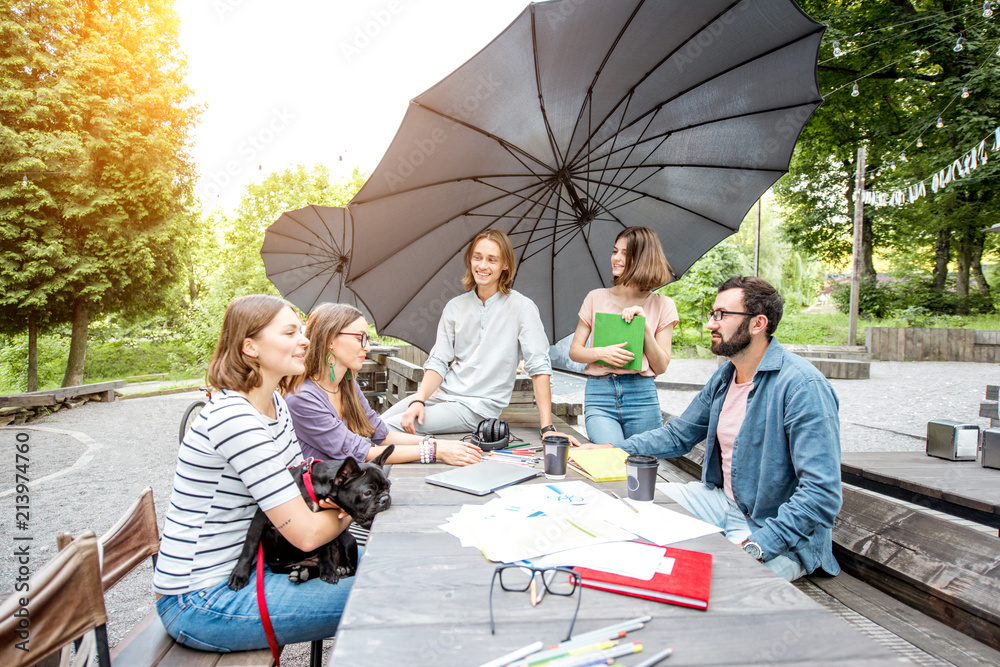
307,479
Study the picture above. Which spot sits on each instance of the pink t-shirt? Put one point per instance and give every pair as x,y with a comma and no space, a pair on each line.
734,409
659,309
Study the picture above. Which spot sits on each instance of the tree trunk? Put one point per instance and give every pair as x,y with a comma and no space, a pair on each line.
962,261
32,353
942,253
77,344
976,266
867,245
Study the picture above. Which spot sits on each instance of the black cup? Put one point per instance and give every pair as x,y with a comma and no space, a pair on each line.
556,450
640,472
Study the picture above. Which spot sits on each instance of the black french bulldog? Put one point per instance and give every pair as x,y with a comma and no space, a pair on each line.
360,489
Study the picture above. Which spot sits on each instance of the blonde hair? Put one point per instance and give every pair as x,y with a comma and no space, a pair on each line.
325,322
506,256
245,317
646,267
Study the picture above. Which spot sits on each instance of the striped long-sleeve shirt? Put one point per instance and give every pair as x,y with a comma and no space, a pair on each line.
233,459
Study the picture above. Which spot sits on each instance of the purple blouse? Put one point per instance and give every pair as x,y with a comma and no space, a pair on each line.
322,433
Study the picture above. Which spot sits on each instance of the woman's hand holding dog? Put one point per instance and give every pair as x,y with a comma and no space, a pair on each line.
330,505
458,453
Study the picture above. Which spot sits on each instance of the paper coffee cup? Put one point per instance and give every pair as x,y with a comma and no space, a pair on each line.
640,473
556,452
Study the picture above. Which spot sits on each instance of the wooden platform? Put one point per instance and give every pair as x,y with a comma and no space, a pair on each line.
960,488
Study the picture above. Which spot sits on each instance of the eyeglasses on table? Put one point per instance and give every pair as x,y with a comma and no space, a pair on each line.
517,578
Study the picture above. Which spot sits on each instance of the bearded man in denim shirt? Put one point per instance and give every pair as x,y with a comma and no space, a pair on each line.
769,419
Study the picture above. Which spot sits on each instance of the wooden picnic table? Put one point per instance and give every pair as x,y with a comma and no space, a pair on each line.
960,488
421,598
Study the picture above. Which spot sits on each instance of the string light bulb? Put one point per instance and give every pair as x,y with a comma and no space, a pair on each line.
959,45
902,157
893,165
965,92
24,181
940,122
998,50
837,52
920,142
855,92
987,10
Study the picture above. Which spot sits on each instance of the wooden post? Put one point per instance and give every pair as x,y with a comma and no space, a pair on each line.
756,244
859,191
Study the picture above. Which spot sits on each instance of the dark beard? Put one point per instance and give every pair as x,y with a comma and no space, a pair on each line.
739,341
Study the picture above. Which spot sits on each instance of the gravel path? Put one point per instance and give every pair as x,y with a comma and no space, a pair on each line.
88,465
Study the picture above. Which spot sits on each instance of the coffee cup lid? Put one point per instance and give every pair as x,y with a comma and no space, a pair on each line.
642,459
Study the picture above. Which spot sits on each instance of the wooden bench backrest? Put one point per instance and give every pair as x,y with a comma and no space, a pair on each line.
66,601
133,539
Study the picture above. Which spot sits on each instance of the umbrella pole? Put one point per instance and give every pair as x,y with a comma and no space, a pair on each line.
859,191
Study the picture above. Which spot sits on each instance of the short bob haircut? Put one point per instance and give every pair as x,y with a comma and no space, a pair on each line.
325,323
506,256
245,317
646,267
759,298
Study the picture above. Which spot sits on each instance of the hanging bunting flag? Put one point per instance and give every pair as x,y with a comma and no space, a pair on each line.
960,168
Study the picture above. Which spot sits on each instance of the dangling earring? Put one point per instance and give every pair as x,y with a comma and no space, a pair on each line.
333,374
348,375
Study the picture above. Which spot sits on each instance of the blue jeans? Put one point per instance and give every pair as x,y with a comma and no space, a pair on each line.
714,506
617,407
221,620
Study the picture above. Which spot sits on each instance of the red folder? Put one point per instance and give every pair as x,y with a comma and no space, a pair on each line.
688,584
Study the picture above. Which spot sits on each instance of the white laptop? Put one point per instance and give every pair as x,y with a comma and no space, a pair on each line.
482,478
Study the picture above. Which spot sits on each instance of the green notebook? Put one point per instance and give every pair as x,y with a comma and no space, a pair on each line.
611,329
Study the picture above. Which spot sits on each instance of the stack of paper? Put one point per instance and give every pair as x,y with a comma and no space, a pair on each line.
599,465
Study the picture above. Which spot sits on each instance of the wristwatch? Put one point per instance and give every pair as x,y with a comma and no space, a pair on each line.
753,549
545,429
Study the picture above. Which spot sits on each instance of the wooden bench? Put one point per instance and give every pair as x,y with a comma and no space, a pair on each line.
19,408
127,544
841,369
946,570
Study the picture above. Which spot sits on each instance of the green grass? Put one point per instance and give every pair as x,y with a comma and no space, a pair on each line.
832,329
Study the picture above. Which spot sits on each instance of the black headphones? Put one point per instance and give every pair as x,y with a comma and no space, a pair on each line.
491,434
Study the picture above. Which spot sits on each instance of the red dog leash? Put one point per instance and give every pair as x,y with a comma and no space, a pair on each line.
265,618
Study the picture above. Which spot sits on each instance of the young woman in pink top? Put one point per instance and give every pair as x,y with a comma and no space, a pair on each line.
618,402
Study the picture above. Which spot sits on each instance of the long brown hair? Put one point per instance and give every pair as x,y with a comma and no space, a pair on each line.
646,267
325,322
245,317
506,256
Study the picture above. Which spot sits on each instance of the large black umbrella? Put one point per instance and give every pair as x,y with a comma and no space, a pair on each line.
582,118
306,253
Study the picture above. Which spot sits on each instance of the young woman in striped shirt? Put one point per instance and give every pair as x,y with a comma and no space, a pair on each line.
234,459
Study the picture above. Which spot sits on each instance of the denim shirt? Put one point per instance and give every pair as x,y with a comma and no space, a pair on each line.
786,456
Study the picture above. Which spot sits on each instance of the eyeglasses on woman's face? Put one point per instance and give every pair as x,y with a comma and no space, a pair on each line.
362,337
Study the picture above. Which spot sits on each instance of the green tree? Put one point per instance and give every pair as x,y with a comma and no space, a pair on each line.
133,116
35,147
236,267
694,294
101,127
900,53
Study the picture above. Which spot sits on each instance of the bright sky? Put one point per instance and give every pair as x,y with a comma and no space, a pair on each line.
313,80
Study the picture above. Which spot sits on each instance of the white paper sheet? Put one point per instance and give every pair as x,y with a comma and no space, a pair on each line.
630,559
